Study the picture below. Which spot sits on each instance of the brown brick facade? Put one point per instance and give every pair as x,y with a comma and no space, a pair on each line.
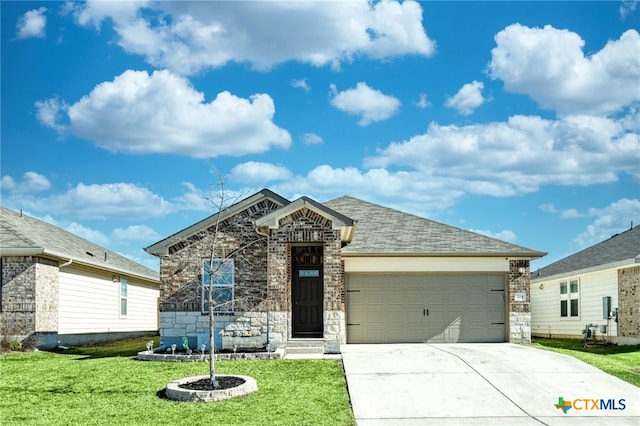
181,270
305,226
29,299
629,305
262,271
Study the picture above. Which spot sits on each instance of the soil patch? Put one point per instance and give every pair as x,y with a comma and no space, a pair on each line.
223,382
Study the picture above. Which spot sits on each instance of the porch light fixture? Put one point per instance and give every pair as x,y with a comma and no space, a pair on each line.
521,270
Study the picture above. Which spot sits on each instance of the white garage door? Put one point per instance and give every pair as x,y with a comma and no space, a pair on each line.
386,308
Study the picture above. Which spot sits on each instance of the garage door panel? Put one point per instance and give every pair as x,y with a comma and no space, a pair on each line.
393,308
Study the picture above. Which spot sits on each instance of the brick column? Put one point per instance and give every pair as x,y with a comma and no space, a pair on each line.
519,301
629,306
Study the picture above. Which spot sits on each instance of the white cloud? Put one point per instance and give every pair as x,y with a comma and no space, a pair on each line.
92,235
194,199
258,173
549,65
562,214
31,182
520,155
162,113
301,84
188,37
94,201
135,233
32,24
504,235
311,139
50,113
370,104
627,7
570,214
468,98
548,208
423,102
405,190
610,220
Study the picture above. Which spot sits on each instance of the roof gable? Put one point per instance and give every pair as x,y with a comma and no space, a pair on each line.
22,235
162,247
338,220
387,232
622,247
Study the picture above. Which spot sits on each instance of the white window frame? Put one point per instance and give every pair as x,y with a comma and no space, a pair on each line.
571,297
223,278
124,297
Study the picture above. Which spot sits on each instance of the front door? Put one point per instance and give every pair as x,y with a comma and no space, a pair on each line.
307,291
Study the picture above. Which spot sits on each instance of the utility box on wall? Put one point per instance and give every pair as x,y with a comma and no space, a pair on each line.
606,307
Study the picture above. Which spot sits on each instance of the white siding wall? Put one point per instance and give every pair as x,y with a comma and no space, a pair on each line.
545,305
89,302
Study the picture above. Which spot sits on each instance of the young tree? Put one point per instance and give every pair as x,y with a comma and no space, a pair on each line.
232,243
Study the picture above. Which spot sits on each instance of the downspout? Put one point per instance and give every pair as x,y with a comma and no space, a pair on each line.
67,263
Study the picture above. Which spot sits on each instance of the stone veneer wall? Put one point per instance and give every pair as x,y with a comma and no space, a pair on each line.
629,306
29,296
519,310
307,227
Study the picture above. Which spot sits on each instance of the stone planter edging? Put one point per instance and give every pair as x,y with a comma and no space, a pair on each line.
176,393
151,356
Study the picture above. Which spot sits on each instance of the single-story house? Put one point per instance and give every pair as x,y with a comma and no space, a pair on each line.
58,288
598,286
343,271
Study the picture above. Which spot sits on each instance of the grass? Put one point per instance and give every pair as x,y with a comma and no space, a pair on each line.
620,361
103,384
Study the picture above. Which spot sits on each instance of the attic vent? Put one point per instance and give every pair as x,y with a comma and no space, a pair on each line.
90,254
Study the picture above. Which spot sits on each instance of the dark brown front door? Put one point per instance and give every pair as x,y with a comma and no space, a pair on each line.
307,291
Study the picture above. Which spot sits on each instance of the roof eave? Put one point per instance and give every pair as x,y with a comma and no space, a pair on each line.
563,274
339,222
161,248
507,256
33,251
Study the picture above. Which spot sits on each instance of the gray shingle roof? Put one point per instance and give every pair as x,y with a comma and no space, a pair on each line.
162,246
621,247
22,234
385,231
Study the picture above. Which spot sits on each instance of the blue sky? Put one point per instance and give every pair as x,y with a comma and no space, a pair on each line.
518,120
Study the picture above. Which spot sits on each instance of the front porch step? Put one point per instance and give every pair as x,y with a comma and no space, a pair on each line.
304,347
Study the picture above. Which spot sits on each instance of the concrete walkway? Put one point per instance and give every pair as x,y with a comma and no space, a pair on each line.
481,384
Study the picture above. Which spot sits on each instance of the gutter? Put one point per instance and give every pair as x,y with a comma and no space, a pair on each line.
507,256
21,251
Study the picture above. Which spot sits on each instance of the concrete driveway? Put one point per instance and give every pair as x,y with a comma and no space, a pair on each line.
481,384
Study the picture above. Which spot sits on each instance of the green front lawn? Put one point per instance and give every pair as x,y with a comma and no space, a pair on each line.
620,361
105,385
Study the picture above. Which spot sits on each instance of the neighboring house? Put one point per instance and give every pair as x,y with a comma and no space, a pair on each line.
599,285
58,287
346,271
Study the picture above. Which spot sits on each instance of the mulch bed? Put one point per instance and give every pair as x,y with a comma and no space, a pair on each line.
224,382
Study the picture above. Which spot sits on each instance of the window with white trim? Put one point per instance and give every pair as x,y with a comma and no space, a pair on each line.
569,299
218,277
124,284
